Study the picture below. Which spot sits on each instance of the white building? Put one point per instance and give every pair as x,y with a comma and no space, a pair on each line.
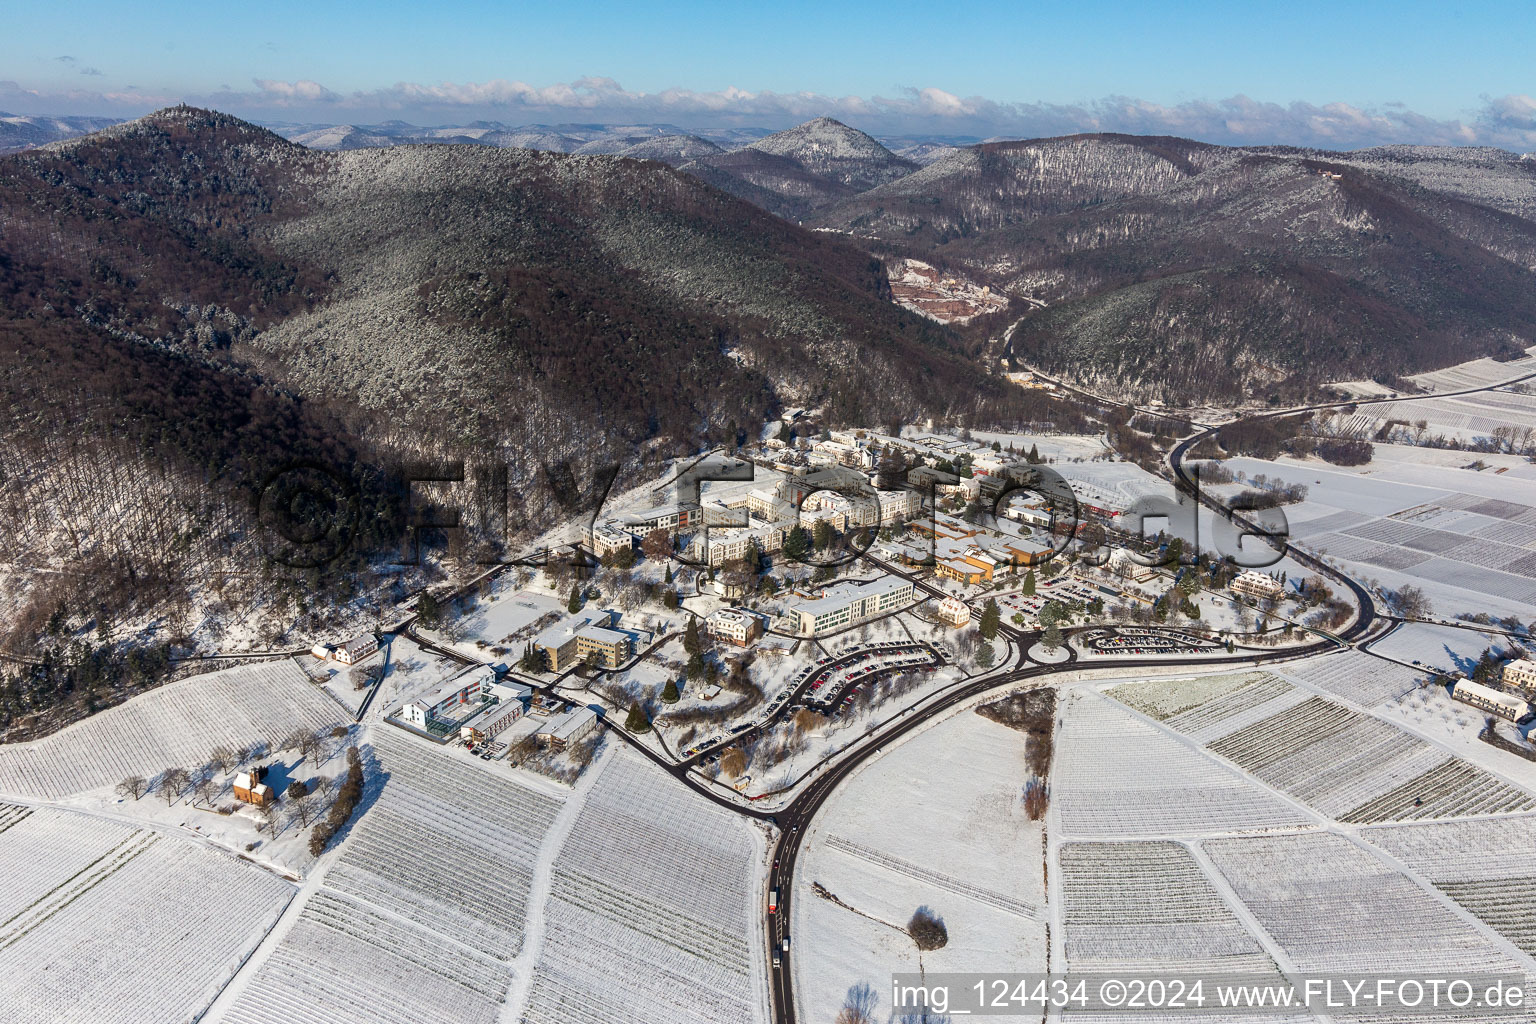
1521,674
604,539
572,726
955,612
454,700
737,627
730,545
1496,702
1257,586
844,604
356,649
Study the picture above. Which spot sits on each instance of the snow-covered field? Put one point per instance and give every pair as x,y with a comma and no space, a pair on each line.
936,821
1147,906
1344,763
1334,907
101,922
420,917
652,915
1356,768
1444,649
1118,776
177,725
420,849
1422,517
1355,676
1487,865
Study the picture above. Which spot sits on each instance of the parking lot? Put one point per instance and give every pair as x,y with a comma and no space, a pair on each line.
833,683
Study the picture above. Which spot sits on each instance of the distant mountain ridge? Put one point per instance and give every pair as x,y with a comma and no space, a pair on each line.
20,132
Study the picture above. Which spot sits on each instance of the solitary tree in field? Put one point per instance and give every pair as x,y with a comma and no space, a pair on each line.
927,930
859,1006
669,694
573,603
133,785
984,656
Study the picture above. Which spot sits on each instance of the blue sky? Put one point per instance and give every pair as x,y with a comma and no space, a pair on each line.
1447,72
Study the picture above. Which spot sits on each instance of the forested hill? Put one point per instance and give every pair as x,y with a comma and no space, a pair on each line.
1190,272
188,301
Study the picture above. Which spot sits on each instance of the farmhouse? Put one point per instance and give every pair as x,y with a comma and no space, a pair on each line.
1486,698
844,604
356,649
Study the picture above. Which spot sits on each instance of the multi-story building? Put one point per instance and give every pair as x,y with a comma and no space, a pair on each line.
955,612
682,515
734,626
453,701
603,539
967,568
493,723
355,650
568,727
1257,586
1496,702
1520,674
728,545
845,604
610,647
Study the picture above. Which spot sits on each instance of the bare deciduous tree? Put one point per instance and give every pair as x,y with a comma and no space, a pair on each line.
223,757
133,785
205,789
733,762
172,783
858,1006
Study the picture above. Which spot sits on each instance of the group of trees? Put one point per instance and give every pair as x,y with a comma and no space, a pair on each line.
347,799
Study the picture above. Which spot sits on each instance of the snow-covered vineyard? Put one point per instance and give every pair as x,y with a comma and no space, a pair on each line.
424,911
76,886
1120,777
1148,907
177,725
1347,765
651,910
1334,907
447,846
